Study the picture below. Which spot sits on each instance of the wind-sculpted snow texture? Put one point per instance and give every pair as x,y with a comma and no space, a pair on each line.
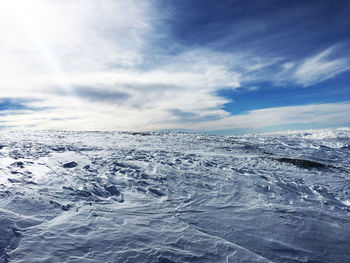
174,197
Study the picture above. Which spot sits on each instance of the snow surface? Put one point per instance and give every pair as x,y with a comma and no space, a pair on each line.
174,197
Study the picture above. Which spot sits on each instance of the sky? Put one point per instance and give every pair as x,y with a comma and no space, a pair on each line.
225,67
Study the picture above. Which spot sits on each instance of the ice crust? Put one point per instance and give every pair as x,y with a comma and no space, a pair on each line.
174,197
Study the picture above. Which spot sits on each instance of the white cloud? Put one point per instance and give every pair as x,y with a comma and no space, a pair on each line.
320,67
319,114
56,46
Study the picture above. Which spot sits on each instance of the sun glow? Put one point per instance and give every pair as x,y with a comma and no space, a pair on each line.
35,31
32,29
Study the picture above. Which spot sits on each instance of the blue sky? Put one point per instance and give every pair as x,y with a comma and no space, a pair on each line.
206,66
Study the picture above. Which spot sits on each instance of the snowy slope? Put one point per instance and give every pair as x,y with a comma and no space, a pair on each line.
173,197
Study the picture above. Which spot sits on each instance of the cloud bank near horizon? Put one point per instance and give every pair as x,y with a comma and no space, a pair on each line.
135,65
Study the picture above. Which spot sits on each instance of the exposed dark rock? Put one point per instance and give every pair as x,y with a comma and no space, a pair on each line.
66,207
70,165
18,164
156,192
12,180
58,148
112,189
83,193
140,133
307,164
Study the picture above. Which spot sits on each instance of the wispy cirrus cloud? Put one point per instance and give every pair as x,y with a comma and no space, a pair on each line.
320,67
